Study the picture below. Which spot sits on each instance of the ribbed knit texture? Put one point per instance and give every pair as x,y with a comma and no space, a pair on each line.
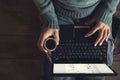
105,17
103,10
75,13
49,21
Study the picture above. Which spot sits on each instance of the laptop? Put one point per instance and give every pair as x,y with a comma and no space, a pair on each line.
77,56
82,69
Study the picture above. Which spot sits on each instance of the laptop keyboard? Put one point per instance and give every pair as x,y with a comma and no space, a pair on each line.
79,51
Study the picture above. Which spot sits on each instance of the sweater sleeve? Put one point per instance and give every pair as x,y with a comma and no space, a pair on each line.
47,13
105,11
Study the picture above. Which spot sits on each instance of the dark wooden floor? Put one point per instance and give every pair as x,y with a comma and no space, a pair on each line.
20,59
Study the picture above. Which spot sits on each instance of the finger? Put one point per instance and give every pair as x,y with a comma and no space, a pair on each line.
56,37
103,38
97,27
100,34
41,42
108,34
90,21
41,48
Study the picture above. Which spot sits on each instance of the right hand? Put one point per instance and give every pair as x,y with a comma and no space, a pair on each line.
45,33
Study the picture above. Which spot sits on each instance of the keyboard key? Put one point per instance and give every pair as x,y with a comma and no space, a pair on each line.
79,51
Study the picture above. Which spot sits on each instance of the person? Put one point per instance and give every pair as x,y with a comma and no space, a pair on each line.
56,12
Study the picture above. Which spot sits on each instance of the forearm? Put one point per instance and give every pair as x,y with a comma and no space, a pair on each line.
47,12
105,11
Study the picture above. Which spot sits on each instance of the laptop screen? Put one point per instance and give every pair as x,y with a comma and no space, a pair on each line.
82,69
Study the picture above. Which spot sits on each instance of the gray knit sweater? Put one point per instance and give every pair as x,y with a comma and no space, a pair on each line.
103,10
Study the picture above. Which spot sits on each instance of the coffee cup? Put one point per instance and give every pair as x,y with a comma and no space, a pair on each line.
50,44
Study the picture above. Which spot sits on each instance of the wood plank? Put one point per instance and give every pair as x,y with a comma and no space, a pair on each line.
25,69
19,46
18,16
117,57
116,67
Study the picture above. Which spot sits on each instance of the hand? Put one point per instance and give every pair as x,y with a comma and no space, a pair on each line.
103,34
45,33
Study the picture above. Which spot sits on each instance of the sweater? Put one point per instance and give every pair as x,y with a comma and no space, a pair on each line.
102,9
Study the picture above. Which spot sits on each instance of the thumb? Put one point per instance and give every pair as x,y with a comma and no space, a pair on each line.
56,37
90,21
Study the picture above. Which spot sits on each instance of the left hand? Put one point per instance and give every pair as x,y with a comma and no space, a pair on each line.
103,34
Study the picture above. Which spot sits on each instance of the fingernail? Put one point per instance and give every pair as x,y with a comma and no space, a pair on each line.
100,44
106,40
86,36
57,44
95,45
46,51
